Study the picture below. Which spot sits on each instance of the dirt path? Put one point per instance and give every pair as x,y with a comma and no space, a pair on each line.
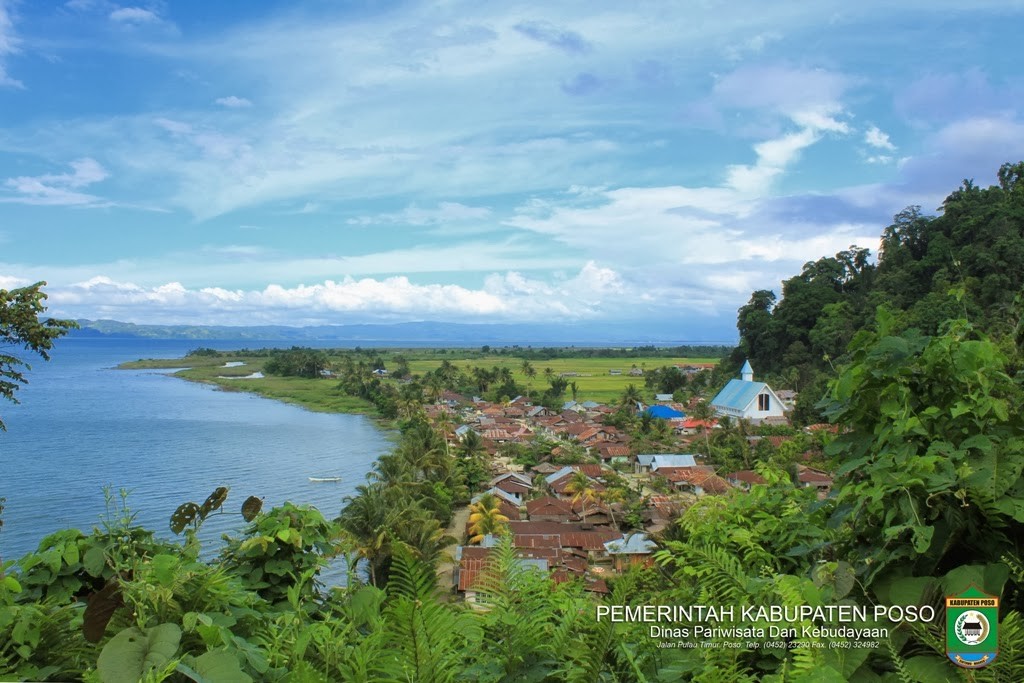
446,567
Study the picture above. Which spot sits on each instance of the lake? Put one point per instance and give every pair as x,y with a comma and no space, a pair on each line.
82,425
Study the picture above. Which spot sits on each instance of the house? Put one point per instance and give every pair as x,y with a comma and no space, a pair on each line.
559,481
809,477
636,372
579,537
471,563
745,399
696,480
549,509
744,479
615,372
614,453
545,468
663,398
694,368
635,548
652,462
788,398
692,425
508,503
591,513
514,484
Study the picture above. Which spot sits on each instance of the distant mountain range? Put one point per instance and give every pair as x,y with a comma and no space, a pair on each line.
423,332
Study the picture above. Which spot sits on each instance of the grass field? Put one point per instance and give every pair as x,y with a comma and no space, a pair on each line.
592,378
321,395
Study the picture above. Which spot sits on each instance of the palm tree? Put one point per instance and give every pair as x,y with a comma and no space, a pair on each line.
630,397
423,534
471,445
485,518
368,518
582,489
530,372
703,411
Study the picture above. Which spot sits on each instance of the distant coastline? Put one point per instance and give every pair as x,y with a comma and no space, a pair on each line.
418,334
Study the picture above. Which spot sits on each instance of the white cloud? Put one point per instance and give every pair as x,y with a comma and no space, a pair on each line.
58,189
9,45
502,297
443,213
773,156
11,282
134,16
874,137
814,94
233,102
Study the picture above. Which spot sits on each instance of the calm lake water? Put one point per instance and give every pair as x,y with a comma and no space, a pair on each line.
83,425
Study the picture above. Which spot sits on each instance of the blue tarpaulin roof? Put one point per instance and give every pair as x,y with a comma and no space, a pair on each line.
664,412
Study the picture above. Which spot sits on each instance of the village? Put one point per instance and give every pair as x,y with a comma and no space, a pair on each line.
595,502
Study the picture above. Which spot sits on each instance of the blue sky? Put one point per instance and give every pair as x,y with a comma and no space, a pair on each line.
319,162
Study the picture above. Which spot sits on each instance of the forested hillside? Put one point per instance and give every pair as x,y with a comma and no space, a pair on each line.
974,250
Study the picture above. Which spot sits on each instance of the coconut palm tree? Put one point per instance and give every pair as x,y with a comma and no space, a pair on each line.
630,397
368,518
485,518
582,489
529,372
703,411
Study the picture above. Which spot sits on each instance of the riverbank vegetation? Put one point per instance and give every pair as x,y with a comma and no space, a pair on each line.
378,381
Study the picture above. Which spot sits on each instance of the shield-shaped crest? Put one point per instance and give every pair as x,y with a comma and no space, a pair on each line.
972,625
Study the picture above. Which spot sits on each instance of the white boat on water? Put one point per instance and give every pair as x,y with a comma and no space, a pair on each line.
319,479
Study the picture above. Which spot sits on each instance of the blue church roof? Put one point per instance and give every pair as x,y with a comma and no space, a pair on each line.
738,394
663,412
746,368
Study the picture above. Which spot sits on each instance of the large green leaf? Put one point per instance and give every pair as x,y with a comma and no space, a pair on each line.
218,666
989,578
931,670
131,654
94,561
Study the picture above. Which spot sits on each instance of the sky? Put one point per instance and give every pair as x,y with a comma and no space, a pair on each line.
313,162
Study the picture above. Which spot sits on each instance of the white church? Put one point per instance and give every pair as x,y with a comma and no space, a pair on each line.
745,399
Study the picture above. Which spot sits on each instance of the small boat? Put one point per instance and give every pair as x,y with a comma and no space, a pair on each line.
319,479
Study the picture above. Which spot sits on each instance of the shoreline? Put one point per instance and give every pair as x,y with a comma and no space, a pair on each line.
315,395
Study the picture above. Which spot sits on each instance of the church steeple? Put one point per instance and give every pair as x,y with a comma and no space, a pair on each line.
747,372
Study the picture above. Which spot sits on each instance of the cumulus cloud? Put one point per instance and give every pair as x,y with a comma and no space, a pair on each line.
233,102
876,138
58,189
507,297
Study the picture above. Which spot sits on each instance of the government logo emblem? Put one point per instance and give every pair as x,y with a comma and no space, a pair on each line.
972,622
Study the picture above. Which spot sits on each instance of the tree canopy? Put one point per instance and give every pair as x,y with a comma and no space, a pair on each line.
21,328
975,249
